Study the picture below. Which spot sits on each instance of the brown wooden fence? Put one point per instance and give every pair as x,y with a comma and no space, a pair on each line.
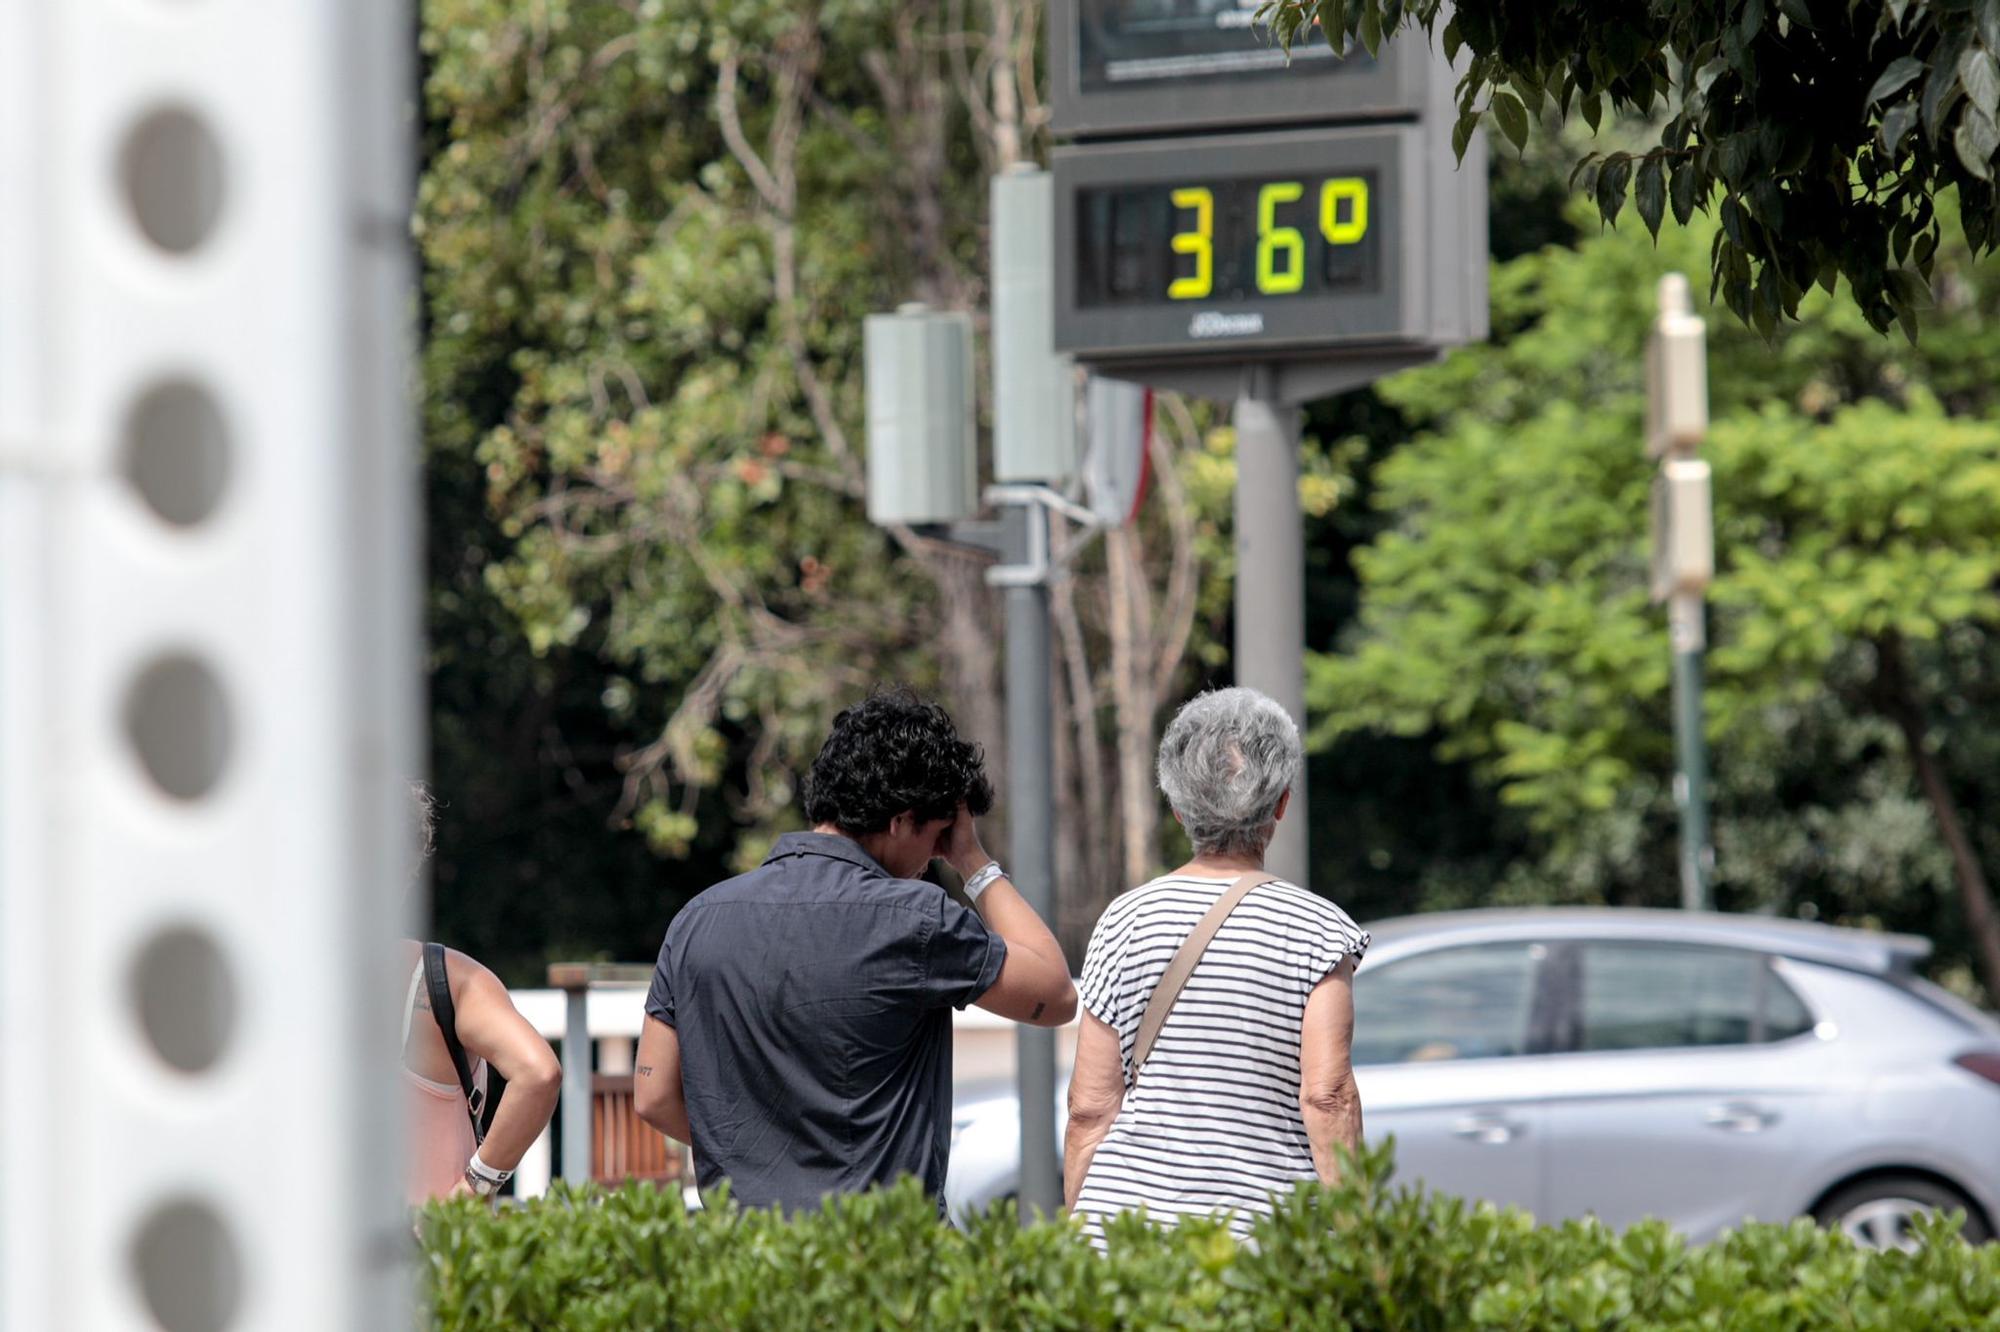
623,1146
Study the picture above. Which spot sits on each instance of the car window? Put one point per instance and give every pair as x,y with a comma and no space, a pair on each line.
1456,1003
1637,996
1785,1014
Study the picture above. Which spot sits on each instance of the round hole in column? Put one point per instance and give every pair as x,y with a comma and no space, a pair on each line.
188,1268
171,170
177,451
177,719
185,998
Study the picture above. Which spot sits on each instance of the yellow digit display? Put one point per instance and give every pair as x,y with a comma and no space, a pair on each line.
1274,279
1199,242
1354,192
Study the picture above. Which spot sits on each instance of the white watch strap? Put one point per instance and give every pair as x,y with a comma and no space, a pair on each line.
480,1170
983,879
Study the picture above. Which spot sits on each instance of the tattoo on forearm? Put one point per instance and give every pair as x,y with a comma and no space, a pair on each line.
1037,1013
645,1070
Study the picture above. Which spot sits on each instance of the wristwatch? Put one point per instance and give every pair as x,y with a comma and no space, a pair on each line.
983,879
484,1179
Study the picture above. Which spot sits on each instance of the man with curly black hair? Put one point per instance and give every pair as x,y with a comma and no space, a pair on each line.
798,1030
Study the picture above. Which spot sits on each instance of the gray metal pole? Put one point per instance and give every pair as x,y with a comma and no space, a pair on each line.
1270,643
576,1086
1031,839
1689,637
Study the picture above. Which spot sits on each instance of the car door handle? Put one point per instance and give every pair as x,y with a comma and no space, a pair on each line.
1489,1130
1740,1117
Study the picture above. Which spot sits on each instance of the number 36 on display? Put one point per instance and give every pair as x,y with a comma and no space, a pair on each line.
1281,250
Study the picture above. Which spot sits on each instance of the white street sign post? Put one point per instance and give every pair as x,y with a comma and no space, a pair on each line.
1683,554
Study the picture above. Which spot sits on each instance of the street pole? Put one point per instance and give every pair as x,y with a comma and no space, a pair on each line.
1270,644
1034,447
1031,841
1689,639
1683,555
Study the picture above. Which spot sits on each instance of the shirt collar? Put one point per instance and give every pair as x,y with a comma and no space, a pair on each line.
832,845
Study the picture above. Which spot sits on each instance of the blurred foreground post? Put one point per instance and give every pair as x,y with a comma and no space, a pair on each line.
1683,554
209,677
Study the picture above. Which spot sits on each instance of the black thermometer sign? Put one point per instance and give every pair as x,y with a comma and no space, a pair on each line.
1228,240
1276,240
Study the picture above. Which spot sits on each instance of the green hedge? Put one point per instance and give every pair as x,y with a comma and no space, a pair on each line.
1363,1256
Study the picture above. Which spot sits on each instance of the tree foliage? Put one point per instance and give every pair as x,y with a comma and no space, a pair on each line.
1824,135
651,230
1853,616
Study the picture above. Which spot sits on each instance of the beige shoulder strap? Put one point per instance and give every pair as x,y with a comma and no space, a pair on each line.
1183,964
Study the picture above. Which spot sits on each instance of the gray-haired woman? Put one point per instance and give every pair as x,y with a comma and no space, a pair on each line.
1248,1088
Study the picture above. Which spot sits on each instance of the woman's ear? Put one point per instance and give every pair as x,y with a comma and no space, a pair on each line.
1284,803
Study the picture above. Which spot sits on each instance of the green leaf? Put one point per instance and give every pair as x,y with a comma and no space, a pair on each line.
1987,15
1752,21
1461,134
1975,141
1611,186
1733,222
1333,23
1896,124
1981,80
1593,110
1895,78
1452,40
1513,118
1735,158
1682,192
1941,92
1649,193
1371,26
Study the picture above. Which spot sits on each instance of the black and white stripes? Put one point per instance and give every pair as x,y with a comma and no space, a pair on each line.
1214,1123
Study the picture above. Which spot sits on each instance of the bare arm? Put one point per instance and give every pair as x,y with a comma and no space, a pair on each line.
490,1027
1034,985
1096,1092
656,1081
1327,1095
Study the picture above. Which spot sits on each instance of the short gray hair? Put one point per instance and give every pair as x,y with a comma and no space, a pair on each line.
1227,758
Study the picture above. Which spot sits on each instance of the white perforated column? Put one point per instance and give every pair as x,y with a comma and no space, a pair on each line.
209,679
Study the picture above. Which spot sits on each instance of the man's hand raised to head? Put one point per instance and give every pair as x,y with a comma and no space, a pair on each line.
958,845
1034,984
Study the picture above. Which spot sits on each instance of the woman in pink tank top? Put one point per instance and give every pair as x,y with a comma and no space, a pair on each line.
445,1157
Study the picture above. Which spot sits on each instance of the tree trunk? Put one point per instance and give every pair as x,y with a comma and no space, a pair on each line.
1082,894
1974,895
1132,679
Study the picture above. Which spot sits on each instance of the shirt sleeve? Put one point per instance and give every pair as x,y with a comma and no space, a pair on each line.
660,997
963,958
1098,986
1336,939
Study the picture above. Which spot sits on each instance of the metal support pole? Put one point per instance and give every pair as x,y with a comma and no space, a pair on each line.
1689,639
1270,584
576,1085
1031,841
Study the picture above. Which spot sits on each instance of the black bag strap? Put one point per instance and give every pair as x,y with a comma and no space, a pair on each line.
438,983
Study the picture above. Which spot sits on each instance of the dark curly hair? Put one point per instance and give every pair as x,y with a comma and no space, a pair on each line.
889,753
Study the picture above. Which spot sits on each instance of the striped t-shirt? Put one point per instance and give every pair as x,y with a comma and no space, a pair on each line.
1214,1122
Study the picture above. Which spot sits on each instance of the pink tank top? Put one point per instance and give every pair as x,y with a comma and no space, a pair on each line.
440,1140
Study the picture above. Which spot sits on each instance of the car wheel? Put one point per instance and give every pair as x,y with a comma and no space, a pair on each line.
1879,1213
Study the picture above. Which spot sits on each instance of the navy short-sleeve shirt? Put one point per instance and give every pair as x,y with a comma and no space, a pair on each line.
812,999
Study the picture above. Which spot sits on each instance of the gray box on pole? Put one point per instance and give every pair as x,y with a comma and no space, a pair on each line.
1034,388
922,452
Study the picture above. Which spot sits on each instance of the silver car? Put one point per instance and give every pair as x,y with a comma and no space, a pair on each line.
1702,1068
